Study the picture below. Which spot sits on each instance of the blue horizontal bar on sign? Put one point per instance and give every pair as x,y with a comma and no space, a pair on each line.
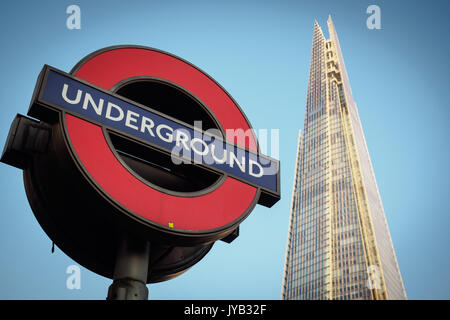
62,91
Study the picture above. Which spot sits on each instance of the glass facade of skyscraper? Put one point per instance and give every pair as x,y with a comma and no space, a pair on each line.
339,246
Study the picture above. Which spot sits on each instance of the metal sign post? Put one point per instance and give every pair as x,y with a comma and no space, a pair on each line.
131,270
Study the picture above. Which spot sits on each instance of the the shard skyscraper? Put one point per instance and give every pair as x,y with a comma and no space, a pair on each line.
339,245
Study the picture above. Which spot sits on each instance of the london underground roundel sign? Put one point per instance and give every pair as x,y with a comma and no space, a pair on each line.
137,140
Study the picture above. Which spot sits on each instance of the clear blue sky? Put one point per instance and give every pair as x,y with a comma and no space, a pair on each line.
259,51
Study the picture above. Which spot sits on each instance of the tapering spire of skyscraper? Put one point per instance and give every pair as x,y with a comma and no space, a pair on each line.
339,245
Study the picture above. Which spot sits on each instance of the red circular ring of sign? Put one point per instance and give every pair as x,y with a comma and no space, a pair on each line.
224,205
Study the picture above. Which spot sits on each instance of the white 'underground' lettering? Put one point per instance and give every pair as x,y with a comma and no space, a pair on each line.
166,133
